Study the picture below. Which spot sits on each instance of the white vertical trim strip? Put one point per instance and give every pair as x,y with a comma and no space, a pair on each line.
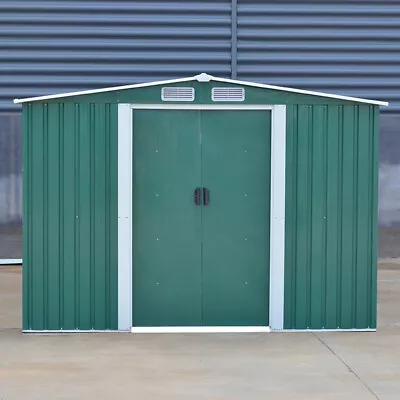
124,217
277,236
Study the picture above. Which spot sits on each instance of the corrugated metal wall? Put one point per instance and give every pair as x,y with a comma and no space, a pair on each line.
331,217
348,47
61,46
345,47
70,224
10,186
10,169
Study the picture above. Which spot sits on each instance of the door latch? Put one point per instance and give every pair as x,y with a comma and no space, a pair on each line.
206,196
197,196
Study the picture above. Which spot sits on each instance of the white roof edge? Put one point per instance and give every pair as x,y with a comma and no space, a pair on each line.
103,90
203,77
300,91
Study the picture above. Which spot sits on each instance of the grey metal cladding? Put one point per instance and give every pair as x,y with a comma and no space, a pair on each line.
348,47
60,46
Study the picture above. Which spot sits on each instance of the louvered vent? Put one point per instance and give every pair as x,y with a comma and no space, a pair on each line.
227,94
177,94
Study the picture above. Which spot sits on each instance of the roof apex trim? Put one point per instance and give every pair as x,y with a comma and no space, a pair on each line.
203,77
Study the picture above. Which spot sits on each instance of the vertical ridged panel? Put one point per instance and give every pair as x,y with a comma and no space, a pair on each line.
69,217
112,240
290,215
99,197
333,215
374,213
84,224
70,203
53,212
302,216
364,198
317,210
330,279
348,243
37,204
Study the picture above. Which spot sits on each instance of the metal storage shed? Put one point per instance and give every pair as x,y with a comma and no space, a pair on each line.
199,204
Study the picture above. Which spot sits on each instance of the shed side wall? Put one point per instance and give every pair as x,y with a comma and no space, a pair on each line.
331,217
70,216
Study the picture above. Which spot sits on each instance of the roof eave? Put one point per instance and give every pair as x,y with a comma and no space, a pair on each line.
202,78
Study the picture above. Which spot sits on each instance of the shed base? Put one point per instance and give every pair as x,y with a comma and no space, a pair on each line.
324,330
198,329
201,329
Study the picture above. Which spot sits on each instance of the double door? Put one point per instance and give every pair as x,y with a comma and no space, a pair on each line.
201,206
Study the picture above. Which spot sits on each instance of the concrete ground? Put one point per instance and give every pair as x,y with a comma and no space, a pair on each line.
211,366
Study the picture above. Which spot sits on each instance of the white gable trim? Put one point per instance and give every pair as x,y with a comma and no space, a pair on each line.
203,78
103,90
300,91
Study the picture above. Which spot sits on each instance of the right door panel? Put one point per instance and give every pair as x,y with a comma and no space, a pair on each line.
235,223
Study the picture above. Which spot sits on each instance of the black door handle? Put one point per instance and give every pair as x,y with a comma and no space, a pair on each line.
197,196
206,196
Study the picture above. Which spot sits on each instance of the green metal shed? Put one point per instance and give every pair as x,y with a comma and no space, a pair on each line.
199,205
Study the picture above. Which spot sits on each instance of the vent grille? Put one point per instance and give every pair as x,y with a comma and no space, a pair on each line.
227,94
177,94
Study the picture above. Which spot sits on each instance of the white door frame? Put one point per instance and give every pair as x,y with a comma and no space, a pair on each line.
277,215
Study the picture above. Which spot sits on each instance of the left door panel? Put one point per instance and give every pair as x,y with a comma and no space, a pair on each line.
166,222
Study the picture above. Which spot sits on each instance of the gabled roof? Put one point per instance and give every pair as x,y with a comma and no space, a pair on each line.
202,78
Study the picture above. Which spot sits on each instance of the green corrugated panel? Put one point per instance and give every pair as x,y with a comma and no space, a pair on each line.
331,217
70,216
70,209
374,213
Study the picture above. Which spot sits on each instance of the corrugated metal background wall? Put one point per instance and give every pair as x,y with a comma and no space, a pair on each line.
10,185
331,217
59,46
346,47
72,198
